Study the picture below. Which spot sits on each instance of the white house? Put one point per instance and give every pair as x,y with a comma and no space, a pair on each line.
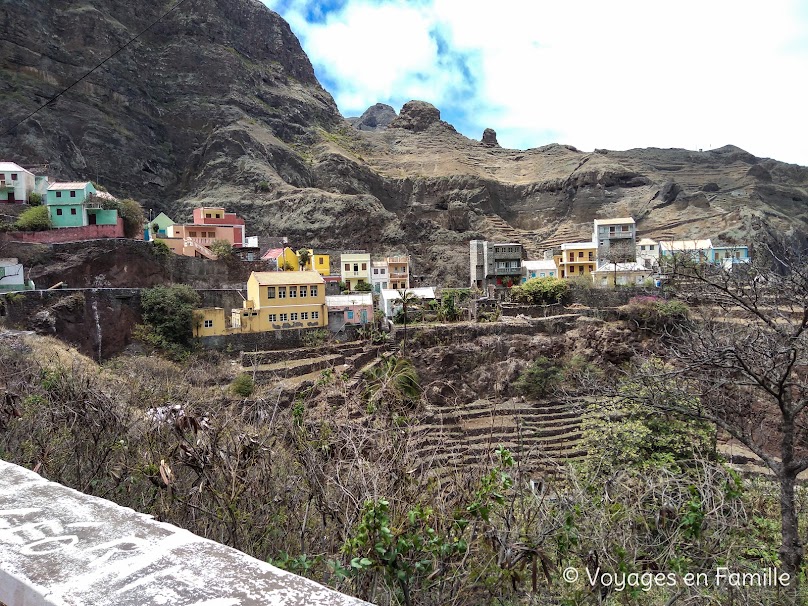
546,268
698,250
12,276
380,277
16,183
632,273
648,252
389,299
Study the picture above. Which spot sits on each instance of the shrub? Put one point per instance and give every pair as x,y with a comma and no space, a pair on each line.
541,291
315,338
34,219
243,385
363,287
169,310
655,312
133,217
34,199
222,249
161,250
539,378
263,186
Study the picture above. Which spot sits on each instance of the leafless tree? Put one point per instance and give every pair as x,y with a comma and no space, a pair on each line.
742,363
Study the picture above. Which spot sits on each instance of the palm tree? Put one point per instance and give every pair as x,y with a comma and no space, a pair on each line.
303,257
407,298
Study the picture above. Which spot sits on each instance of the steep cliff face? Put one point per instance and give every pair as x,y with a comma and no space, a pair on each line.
218,104
215,91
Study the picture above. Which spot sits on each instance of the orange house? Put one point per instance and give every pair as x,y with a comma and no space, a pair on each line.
209,224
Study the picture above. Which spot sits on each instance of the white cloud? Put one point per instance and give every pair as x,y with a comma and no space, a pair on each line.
633,73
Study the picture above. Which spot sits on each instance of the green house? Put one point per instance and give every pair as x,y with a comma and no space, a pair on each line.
77,205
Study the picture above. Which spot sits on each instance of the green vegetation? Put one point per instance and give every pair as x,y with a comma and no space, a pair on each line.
34,219
541,291
394,382
243,385
655,313
132,214
161,250
263,186
303,257
222,249
540,378
168,314
363,287
34,199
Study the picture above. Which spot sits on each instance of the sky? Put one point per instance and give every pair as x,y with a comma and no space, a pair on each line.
695,74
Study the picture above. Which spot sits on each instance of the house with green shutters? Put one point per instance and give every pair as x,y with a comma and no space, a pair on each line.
77,204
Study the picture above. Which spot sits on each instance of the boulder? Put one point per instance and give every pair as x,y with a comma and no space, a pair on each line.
416,116
376,117
490,138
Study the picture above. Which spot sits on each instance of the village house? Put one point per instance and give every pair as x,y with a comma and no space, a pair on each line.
12,276
729,256
355,268
647,253
390,300
319,262
495,264
545,268
616,240
352,308
275,301
78,204
577,259
209,225
631,273
379,276
17,184
158,227
398,268
698,251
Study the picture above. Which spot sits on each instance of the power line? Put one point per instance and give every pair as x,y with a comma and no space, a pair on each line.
62,92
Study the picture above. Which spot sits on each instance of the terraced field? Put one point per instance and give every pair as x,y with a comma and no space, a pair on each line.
540,435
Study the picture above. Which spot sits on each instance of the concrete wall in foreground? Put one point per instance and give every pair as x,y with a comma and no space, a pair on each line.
61,547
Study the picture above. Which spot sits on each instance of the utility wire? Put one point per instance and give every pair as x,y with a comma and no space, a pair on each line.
62,92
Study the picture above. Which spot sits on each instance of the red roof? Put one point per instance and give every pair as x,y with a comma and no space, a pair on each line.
272,253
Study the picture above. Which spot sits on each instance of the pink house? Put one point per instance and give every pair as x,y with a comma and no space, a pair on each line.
354,308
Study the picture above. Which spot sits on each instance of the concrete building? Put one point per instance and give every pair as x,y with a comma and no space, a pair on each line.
12,276
16,183
398,267
78,204
616,240
355,268
647,252
545,268
497,264
698,251
379,277
577,259
632,273
390,300
210,223
275,301
353,308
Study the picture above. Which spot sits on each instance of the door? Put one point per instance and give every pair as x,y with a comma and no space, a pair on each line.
363,316
91,219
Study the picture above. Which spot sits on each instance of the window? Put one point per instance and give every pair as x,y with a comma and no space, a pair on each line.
293,292
273,318
315,315
581,268
591,256
72,194
572,256
350,315
208,323
572,269
320,261
625,228
270,292
303,290
313,291
541,275
13,176
383,272
294,316
356,267
304,315
347,267
375,271
281,292
58,194
590,268
580,254
284,317
59,211
364,266
72,211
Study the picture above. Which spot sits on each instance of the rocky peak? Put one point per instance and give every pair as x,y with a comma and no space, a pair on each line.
417,116
490,138
376,117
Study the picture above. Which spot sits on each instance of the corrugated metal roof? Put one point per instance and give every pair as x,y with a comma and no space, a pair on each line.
618,221
69,185
287,277
11,167
352,299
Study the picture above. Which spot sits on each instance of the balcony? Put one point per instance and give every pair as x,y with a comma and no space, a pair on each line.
508,271
355,274
201,241
5,185
402,275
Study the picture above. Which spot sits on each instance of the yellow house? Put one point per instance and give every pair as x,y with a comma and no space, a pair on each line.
355,268
318,262
577,259
209,322
282,300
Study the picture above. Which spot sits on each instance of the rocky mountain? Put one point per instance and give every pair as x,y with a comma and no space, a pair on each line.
218,104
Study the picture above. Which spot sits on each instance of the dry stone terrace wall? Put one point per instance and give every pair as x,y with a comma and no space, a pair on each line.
61,547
